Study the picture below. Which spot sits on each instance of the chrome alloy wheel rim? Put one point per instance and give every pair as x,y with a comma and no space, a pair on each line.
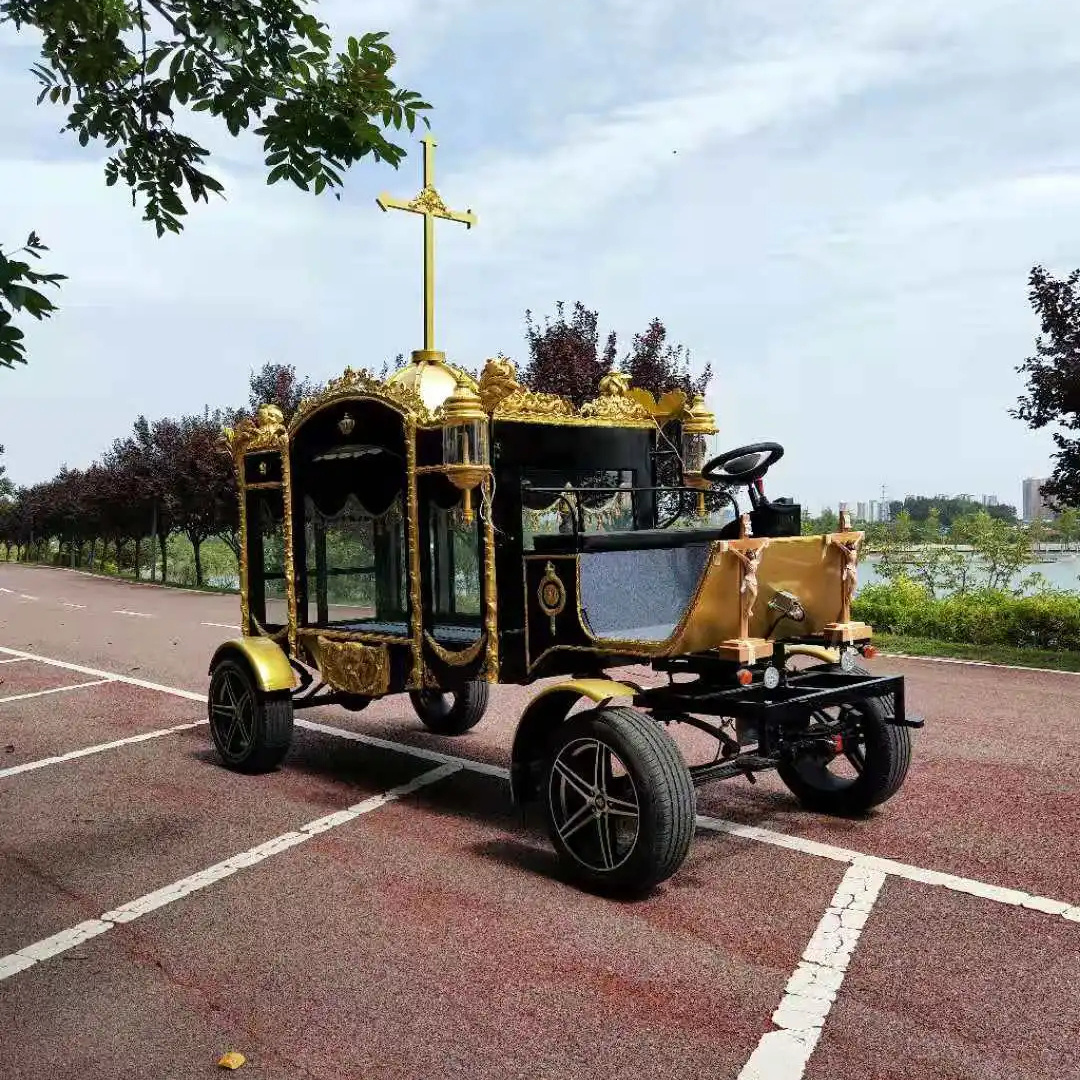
594,805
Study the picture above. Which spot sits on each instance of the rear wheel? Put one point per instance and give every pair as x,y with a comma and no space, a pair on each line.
453,712
620,803
251,730
869,766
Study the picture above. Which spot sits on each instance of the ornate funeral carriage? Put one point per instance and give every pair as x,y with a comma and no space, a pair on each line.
433,534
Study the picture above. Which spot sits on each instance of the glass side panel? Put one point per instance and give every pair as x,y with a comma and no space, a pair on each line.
639,595
266,559
603,510
455,565
356,568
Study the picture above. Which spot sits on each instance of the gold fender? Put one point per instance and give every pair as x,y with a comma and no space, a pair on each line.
819,652
547,710
267,660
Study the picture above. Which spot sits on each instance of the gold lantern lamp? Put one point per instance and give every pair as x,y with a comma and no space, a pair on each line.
466,448
698,424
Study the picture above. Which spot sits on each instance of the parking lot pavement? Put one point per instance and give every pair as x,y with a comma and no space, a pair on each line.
85,715
21,678
380,911
945,985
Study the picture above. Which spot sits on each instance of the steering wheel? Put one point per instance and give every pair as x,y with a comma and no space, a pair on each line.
743,465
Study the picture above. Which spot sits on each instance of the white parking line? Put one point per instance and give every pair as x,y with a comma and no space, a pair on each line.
48,947
13,660
978,663
954,883
23,596
68,603
783,1053
53,690
135,614
86,751
19,654
223,625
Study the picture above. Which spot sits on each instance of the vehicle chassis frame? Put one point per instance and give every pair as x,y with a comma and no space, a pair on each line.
779,716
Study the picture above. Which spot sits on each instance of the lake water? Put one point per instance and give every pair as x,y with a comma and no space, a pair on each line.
1062,573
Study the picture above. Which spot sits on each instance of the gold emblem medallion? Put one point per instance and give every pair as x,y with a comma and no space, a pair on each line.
551,595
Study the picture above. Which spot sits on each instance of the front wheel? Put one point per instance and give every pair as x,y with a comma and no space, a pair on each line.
869,767
251,730
620,803
451,713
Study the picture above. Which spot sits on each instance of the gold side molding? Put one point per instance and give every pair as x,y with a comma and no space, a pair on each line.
456,658
353,667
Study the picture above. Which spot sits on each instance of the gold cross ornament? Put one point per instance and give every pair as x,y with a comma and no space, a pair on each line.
429,204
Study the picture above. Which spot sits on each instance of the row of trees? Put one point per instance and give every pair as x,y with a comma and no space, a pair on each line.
173,476
166,477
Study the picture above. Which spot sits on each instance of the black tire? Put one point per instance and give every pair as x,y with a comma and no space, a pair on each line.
885,759
252,730
654,780
451,713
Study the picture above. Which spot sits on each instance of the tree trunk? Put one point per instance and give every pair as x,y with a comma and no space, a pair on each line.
104,553
163,543
197,548
138,550
153,545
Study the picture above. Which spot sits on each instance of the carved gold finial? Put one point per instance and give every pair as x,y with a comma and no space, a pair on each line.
498,381
745,530
615,404
614,384
266,432
845,520
430,206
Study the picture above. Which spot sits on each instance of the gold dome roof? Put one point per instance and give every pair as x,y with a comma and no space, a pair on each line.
431,377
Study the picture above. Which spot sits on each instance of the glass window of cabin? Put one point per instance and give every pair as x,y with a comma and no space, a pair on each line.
267,597
356,567
454,552
550,499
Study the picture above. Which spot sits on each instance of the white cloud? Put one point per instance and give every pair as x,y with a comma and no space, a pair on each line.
858,190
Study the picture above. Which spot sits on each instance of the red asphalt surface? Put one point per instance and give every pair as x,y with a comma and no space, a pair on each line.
433,936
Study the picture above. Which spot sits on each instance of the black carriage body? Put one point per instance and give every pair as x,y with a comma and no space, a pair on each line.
568,601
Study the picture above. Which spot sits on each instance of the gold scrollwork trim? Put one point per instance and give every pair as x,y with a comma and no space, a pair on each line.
311,633
415,613
456,658
491,603
266,432
352,384
503,396
287,534
353,667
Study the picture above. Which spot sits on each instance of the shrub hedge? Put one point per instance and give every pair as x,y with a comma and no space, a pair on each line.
1046,620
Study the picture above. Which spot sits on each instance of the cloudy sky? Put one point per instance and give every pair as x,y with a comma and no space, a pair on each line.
835,203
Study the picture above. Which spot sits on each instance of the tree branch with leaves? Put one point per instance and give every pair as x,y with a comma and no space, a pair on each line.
18,292
129,70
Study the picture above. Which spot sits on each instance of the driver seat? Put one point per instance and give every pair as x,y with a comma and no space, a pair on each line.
780,518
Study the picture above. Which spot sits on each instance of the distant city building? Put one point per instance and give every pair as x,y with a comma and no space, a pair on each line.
877,511
990,500
861,511
1035,508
